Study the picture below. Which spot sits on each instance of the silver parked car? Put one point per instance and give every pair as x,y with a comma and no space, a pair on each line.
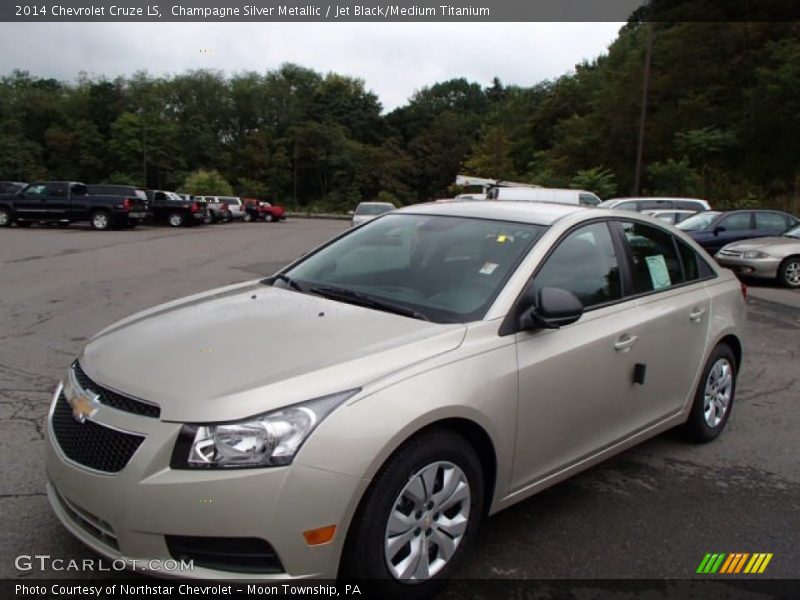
366,211
385,392
775,257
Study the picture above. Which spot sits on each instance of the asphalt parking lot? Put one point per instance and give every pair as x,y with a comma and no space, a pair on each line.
652,512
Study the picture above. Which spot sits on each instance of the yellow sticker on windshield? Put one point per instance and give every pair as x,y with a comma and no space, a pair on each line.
501,239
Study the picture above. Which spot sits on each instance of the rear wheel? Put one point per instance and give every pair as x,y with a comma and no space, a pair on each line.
269,218
247,217
789,272
5,218
713,399
176,219
101,220
418,517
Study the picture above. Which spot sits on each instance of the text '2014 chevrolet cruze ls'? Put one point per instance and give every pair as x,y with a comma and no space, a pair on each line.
382,394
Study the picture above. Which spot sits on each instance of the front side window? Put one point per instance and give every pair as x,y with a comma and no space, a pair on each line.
736,222
588,199
585,264
36,190
655,263
448,269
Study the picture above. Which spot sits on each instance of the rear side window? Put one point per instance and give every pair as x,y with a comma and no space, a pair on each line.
58,190
655,204
585,264
655,261
689,205
765,220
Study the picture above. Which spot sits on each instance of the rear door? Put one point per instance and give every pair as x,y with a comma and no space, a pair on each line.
769,223
674,309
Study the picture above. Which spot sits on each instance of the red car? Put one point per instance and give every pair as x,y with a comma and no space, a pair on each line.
256,210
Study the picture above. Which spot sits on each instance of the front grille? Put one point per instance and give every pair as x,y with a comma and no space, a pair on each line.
92,525
238,555
113,399
90,444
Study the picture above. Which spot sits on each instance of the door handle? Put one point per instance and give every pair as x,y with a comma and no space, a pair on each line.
625,343
696,315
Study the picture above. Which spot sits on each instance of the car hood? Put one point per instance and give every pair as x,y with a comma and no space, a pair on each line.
243,350
779,243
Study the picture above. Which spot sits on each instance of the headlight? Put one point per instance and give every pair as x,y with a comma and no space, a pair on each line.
267,440
755,254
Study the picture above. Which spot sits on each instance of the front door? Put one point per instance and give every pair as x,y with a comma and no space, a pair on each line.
576,386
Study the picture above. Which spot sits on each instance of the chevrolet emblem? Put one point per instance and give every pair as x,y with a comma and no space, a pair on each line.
84,403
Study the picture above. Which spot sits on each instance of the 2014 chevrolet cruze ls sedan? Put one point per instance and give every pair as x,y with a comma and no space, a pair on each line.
389,389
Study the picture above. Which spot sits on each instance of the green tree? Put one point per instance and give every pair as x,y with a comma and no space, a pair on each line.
206,183
597,180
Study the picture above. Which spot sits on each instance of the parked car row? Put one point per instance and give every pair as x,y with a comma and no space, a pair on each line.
107,206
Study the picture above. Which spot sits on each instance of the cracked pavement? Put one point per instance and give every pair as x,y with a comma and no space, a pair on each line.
653,511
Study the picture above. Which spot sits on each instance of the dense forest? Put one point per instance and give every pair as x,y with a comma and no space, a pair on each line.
722,122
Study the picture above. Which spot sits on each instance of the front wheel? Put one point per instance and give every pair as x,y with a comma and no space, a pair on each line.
101,220
176,219
269,218
418,517
789,272
247,217
5,217
713,399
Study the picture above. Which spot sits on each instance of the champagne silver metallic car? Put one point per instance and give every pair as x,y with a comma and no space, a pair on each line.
775,257
388,390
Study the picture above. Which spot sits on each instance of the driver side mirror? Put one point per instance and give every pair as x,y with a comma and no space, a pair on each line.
718,229
552,308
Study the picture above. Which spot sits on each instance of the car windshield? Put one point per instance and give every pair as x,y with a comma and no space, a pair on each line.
699,221
793,232
441,268
373,209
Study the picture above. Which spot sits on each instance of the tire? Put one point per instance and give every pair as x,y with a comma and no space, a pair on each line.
704,422
176,219
100,220
247,218
5,218
432,457
211,217
789,272
269,218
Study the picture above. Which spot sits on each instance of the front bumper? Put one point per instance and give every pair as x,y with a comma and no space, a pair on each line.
765,268
127,516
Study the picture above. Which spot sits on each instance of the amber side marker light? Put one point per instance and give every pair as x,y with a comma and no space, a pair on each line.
321,535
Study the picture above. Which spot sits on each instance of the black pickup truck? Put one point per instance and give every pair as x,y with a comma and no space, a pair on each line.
169,207
67,202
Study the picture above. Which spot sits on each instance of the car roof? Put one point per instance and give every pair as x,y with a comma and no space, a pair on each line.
538,213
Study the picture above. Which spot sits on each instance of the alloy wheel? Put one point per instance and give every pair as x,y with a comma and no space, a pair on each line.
427,523
718,391
100,220
791,273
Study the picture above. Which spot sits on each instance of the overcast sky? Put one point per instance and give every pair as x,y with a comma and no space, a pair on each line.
394,59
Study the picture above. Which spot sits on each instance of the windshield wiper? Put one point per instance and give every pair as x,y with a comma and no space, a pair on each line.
286,279
362,299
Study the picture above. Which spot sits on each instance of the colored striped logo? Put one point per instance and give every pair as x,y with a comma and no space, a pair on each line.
736,562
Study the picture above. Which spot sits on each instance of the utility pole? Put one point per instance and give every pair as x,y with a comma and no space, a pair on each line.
637,182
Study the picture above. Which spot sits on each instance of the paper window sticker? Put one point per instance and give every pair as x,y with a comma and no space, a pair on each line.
659,274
